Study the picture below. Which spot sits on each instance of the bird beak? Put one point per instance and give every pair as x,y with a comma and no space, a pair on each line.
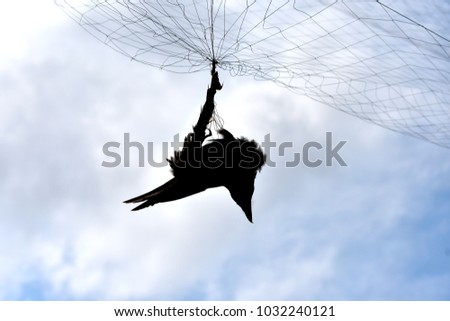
242,195
246,206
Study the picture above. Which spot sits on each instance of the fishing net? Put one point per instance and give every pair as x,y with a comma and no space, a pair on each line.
386,62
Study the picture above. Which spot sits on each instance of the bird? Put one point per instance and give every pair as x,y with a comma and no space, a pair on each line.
227,161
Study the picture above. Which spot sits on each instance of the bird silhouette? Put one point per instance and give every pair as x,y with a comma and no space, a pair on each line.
230,162
227,161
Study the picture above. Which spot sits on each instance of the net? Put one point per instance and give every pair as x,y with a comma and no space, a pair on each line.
385,62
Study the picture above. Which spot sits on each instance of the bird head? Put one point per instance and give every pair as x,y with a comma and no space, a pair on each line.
242,193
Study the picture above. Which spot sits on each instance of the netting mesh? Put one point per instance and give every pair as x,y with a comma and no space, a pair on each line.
376,60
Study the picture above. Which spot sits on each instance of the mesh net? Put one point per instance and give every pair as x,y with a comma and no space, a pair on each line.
382,61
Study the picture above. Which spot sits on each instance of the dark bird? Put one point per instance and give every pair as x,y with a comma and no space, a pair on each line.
228,161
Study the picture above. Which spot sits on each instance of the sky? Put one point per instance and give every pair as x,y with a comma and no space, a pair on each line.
376,229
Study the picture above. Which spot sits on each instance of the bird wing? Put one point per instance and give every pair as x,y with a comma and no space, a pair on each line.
157,190
172,190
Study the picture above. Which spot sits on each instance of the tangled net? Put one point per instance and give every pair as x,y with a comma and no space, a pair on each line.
379,61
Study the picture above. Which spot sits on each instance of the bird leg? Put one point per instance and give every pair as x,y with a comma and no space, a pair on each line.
208,109
190,152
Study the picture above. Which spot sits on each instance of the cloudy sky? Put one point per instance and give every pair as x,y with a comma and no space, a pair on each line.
377,229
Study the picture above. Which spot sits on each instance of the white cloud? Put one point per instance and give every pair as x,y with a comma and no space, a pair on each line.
22,23
337,232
